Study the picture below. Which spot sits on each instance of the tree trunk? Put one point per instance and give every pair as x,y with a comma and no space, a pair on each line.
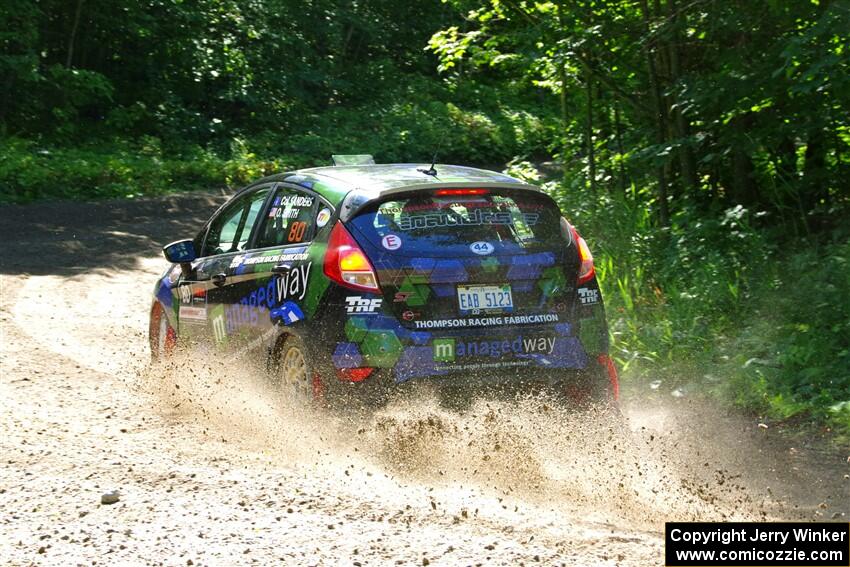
562,76
744,190
565,119
814,171
73,37
618,133
687,160
660,121
591,151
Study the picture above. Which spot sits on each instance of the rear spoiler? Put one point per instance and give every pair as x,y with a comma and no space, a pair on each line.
359,198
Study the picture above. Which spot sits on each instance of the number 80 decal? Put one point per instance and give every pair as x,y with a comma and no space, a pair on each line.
296,232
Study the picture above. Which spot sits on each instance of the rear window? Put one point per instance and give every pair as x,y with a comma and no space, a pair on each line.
446,225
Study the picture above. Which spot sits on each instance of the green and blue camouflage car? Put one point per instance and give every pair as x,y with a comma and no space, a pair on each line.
354,281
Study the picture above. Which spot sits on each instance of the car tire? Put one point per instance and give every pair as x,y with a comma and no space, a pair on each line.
294,372
161,334
588,389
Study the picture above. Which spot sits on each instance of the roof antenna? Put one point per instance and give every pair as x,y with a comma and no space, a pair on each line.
431,171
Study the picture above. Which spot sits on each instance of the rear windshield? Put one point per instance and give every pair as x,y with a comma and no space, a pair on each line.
447,225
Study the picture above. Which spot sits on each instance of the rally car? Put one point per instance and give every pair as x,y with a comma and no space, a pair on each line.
361,279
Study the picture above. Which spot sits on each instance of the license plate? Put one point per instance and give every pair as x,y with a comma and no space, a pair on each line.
474,299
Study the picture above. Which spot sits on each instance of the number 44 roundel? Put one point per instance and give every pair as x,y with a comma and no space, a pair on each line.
481,248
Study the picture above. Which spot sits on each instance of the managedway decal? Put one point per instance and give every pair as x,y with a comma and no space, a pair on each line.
488,321
447,350
293,283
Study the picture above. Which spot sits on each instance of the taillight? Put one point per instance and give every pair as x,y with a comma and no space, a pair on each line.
346,264
460,192
354,374
586,270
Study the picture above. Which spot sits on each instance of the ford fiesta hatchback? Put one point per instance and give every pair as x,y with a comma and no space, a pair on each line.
356,280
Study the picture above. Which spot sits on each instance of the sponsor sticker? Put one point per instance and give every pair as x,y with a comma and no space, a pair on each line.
391,242
323,217
292,284
191,312
588,296
219,329
251,308
448,350
241,260
477,366
476,217
186,293
488,321
357,304
481,248
444,350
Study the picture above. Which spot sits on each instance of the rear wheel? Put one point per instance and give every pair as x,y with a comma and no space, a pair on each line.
593,393
295,373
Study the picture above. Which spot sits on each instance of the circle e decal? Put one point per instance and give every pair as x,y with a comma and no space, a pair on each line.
391,242
481,248
323,217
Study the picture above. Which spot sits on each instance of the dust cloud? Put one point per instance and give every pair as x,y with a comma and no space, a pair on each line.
529,450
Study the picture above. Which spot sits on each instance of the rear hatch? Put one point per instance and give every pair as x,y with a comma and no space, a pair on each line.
469,258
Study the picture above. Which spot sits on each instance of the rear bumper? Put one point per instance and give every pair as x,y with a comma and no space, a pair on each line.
578,387
417,354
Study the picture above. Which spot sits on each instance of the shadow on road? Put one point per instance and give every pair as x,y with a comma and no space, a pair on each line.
68,238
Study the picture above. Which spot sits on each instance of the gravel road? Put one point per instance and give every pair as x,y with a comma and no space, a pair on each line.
211,467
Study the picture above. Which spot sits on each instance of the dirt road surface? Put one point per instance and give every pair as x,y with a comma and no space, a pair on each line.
214,468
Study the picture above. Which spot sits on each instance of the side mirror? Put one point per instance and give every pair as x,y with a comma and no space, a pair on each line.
180,252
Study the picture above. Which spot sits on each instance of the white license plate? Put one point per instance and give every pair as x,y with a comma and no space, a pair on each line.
473,299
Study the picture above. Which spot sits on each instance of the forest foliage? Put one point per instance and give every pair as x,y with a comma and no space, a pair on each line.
702,145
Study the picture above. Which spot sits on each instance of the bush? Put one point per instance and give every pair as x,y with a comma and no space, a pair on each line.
29,171
803,365
715,291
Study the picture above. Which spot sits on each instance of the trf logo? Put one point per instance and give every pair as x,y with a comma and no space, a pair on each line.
588,296
357,304
444,350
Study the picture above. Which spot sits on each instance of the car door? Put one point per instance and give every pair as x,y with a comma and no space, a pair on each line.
266,285
203,297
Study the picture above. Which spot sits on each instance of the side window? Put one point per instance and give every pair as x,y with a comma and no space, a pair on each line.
290,219
230,230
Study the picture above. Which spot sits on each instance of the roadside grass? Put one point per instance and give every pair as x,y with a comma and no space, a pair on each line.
30,171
